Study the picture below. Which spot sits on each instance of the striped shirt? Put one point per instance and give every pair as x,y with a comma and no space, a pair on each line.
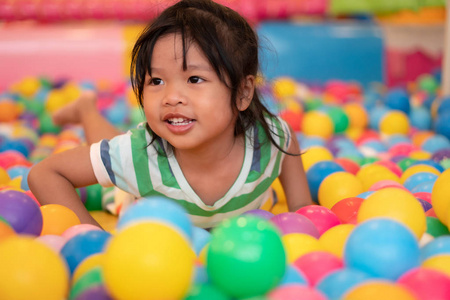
126,161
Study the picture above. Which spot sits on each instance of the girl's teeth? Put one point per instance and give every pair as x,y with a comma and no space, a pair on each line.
179,121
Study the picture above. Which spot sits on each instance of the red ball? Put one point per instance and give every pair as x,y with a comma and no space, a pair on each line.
347,209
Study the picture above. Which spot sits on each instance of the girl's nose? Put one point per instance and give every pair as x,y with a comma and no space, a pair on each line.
174,95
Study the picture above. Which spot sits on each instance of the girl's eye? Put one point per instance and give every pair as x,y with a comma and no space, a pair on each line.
156,81
195,79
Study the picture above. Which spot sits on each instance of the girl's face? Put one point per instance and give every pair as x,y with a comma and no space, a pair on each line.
188,108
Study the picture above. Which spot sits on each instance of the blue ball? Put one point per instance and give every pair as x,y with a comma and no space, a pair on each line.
429,162
365,194
383,248
317,173
414,180
293,276
420,118
397,139
442,125
438,246
375,116
444,106
157,208
200,238
335,284
426,186
398,99
437,142
82,245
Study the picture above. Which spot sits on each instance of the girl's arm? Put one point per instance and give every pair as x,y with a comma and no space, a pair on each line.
54,180
293,178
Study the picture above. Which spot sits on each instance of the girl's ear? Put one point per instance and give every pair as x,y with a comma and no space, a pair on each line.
246,93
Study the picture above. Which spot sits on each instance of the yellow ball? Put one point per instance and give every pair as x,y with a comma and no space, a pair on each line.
90,262
440,198
373,173
299,244
317,123
334,239
420,155
284,87
56,99
394,122
357,115
31,270
397,204
4,177
148,260
315,154
57,218
338,186
417,169
379,289
439,263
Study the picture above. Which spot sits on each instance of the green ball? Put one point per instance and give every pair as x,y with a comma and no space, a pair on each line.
405,163
46,124
206,292
368,161
313,104
435,228
91,278
339,118
246,256
428,84
94,195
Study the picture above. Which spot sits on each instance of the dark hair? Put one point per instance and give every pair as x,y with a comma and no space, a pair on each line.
229,43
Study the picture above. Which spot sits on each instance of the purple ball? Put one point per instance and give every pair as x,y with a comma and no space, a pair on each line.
97,292
260,213
441,154
290,222
21,212
425,204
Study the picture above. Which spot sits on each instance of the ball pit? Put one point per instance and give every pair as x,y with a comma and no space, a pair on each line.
351,159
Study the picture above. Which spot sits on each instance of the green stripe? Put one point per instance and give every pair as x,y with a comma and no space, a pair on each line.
140,161
167,177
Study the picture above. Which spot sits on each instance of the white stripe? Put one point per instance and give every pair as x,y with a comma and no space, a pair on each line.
123,165
97,164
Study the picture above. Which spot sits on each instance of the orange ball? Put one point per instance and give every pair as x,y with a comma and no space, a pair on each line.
9,111
57,218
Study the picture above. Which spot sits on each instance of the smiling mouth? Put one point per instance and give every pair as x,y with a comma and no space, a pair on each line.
179,121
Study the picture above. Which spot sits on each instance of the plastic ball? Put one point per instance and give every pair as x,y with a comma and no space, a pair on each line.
315,154
160,209
4,177
317,173
246,256
91,278
298,244
426,283
379,289
413,169
57,219
435,227
83,245
322,217
375,115
21,212
334,239
293,118
96,292
283,87
418,178
292,292
383,248
87,264
397,204
77,229
357,115
315,265
420,118
339,118
163,261
9,110
394,122
347,209
205,291
438,246
55,242
441,125
260,213
200,238
373,173
31,270
338,186
398,99
293,276
439,197
6,230
289,222
316,123
349,165
335,284
439,263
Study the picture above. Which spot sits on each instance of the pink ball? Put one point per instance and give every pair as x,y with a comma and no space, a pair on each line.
392,166
79,228
427,283
322,217
424,196
295,223
295,292
315,265
385,184
55,242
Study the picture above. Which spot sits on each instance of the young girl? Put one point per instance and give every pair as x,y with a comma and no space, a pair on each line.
208,143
